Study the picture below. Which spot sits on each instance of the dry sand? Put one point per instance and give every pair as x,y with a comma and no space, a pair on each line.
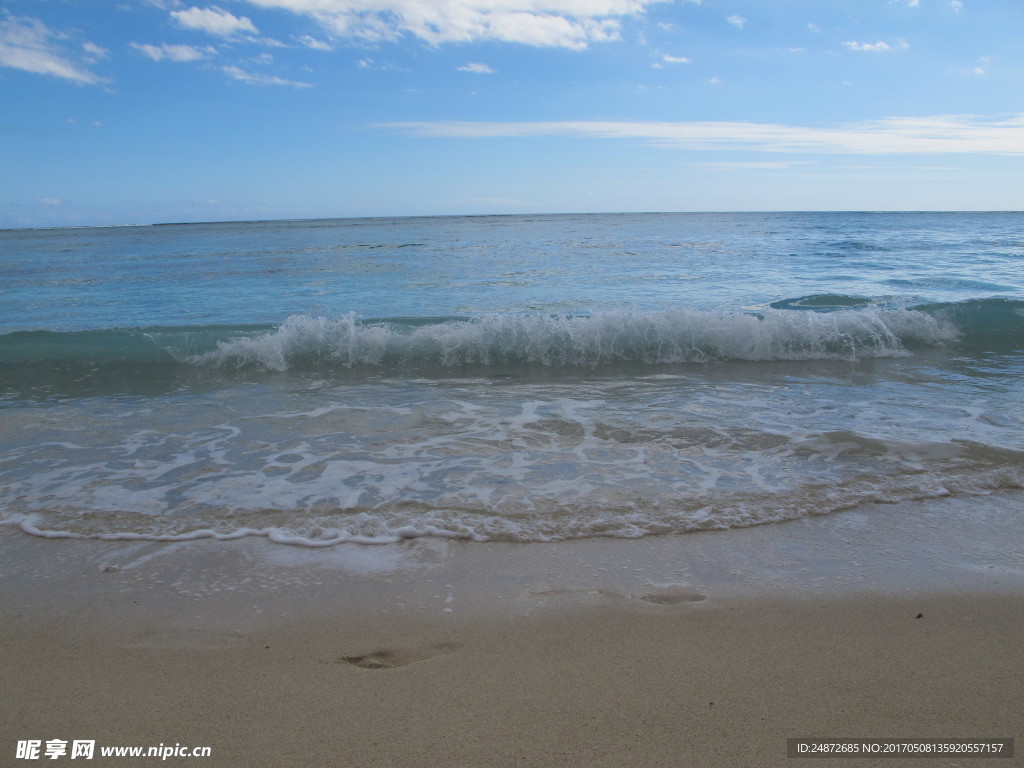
703,650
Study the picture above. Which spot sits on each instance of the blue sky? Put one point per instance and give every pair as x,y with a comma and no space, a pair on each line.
142,111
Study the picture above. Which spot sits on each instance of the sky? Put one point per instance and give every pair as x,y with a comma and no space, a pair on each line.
143,111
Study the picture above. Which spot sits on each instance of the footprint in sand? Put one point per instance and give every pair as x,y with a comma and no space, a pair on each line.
390,658
665,594
672,594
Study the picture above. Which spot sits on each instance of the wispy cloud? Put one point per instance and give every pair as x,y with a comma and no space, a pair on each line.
164,5
573,24
754,166
29,45
476,68
214,21
313,43
94,52
941,134
174,52
252,78
878,47
736,21
380,66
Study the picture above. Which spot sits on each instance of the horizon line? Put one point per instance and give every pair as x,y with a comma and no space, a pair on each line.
716,212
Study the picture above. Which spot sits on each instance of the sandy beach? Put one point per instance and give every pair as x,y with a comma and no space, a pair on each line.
705,650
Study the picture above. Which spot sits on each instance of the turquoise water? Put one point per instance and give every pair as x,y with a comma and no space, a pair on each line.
263,272
518,377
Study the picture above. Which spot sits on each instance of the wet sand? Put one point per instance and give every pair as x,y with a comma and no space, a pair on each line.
704,650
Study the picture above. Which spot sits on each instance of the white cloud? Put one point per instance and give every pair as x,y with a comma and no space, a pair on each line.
94,52
813,27
941,134
476,68
736,21
311,42
675,59
878,47
53,202
256,79
979,70
853,45
956,5
29,45
214,20
174,52
573,24
380,66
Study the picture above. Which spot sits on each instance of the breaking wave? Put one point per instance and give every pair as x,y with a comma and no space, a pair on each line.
835,328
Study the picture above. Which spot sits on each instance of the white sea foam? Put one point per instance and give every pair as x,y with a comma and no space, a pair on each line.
314,462
545,469
672,336
631,520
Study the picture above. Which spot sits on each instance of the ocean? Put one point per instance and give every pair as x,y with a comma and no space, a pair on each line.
505,378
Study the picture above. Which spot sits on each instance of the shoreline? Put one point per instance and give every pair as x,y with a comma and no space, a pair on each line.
892,621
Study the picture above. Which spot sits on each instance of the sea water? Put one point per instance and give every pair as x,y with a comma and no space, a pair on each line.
517,378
